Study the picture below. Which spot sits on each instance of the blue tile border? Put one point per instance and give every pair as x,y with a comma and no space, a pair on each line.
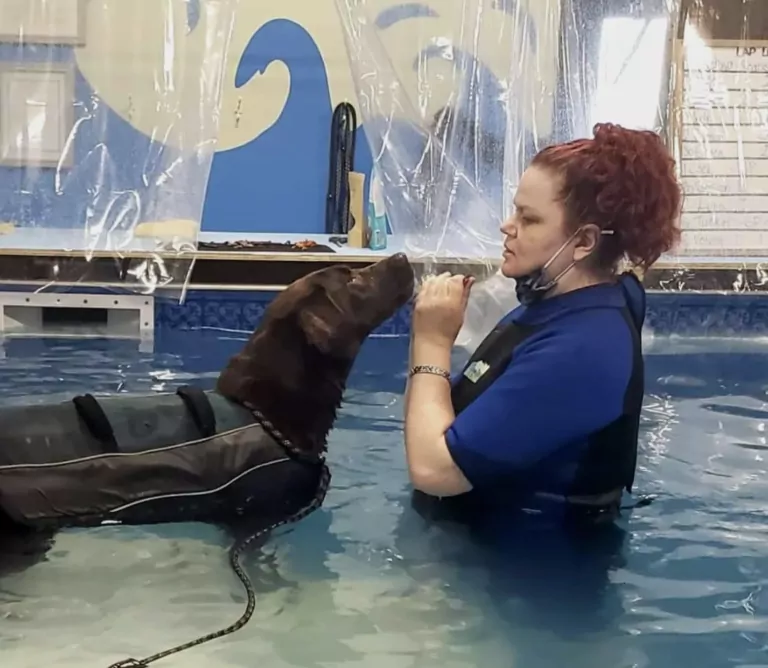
239,311
707,314
669,313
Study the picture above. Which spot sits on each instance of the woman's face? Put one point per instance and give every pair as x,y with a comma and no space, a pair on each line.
536,230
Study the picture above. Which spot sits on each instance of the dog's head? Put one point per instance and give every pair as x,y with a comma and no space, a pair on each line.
295,365
336,308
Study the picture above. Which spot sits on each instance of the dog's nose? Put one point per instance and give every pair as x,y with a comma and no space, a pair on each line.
400,257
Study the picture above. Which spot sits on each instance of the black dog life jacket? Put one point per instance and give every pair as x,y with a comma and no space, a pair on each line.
143,459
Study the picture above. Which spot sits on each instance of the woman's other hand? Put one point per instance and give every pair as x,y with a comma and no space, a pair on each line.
439,308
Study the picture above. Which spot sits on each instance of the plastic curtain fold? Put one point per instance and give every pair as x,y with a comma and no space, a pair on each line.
456,97
109,117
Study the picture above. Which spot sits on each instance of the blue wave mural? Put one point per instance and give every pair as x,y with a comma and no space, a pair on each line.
274,183
278,181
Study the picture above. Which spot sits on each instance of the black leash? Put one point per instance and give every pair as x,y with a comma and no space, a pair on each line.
237,550
641,502
343,128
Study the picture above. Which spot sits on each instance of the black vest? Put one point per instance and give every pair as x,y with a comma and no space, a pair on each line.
610,459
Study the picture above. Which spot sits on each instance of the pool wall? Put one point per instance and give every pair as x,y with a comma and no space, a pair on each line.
678,313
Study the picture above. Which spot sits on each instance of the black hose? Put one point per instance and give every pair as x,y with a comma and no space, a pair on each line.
342,158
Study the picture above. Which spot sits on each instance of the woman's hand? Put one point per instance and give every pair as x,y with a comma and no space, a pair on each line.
438,315
438,312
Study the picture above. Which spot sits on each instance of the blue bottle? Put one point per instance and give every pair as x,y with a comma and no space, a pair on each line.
377,214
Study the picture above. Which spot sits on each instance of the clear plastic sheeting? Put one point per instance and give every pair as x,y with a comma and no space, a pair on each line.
108,123
457,96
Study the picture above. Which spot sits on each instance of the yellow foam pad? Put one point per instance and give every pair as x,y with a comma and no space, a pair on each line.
7,228
168,229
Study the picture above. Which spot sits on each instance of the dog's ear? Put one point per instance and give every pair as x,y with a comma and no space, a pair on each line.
326,329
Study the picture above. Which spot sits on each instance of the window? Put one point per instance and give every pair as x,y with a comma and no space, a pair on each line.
36,115
43,21
631,72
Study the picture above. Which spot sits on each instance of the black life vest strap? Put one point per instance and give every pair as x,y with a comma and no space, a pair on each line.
91,412
496,352
611,457
633,400
199,407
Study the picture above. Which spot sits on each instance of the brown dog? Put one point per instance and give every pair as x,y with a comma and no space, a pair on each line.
251,448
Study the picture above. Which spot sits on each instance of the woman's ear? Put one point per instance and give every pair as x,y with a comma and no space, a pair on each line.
586,241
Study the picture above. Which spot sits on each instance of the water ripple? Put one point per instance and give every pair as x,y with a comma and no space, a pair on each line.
363,583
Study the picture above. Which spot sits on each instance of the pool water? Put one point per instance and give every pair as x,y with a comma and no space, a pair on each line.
363,583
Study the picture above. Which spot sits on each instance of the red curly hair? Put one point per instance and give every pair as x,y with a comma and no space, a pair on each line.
622,180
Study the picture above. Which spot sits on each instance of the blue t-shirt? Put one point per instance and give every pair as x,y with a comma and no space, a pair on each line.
565,381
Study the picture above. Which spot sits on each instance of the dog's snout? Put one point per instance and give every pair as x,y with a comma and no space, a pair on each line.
399,262
393,274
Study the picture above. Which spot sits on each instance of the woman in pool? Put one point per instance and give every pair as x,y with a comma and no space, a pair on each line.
545,415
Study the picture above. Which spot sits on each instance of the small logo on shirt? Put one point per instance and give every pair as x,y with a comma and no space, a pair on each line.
476,371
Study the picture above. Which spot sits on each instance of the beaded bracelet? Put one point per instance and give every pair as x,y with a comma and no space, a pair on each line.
428,368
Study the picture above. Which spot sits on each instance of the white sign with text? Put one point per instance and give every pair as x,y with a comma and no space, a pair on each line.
724,161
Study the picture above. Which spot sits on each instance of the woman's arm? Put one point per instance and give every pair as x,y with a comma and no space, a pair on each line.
428,415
